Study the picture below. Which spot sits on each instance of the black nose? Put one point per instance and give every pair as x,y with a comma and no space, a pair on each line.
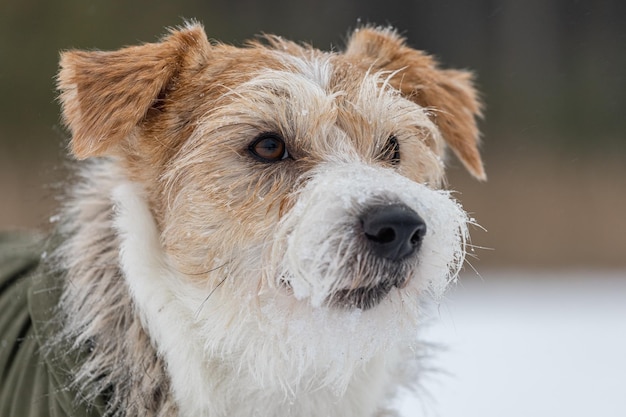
393,231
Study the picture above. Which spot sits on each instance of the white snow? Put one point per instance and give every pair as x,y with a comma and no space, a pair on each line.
530,344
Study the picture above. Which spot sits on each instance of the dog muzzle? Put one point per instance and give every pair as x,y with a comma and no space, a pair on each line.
358,232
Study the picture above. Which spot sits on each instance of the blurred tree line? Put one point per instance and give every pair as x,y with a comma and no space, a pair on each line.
552,71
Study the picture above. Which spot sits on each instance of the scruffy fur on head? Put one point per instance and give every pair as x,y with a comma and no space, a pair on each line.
212,277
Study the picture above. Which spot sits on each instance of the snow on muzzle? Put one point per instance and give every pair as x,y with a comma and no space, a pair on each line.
358,232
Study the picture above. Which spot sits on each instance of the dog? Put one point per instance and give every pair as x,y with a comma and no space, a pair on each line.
253,231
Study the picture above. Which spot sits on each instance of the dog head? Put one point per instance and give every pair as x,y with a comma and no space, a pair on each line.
289,184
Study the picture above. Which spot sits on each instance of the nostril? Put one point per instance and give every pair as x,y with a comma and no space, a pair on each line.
418,235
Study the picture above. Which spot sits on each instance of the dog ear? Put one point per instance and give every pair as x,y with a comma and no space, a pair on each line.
105,95
448,95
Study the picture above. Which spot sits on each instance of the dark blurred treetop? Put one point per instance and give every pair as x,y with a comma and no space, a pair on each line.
552,71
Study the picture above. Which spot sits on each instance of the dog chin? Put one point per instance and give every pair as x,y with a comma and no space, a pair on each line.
363,297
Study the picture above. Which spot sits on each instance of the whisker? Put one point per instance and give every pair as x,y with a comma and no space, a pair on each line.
219,284
208,271
475,270
472,246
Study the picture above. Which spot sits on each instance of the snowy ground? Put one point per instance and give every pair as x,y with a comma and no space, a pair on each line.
530,345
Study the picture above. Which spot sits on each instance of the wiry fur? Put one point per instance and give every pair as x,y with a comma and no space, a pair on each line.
203,282
96,307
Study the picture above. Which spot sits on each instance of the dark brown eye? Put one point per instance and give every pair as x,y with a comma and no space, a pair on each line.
391,151
269,147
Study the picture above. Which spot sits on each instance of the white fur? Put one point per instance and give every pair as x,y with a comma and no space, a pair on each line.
286,354
314,67
205,385
156,292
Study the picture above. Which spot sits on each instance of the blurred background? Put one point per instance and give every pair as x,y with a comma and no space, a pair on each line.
552,74
553,77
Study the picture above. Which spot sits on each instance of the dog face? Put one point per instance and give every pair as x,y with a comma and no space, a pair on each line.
286,184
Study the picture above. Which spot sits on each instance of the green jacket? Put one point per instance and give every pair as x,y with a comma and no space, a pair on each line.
34,381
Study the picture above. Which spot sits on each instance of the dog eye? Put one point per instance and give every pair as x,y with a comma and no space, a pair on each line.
269,147
391,152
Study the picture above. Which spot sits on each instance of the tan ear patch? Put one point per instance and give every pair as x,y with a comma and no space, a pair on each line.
104,95
449,95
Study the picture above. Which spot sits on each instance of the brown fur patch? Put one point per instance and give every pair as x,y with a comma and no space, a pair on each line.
106,94
449,94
